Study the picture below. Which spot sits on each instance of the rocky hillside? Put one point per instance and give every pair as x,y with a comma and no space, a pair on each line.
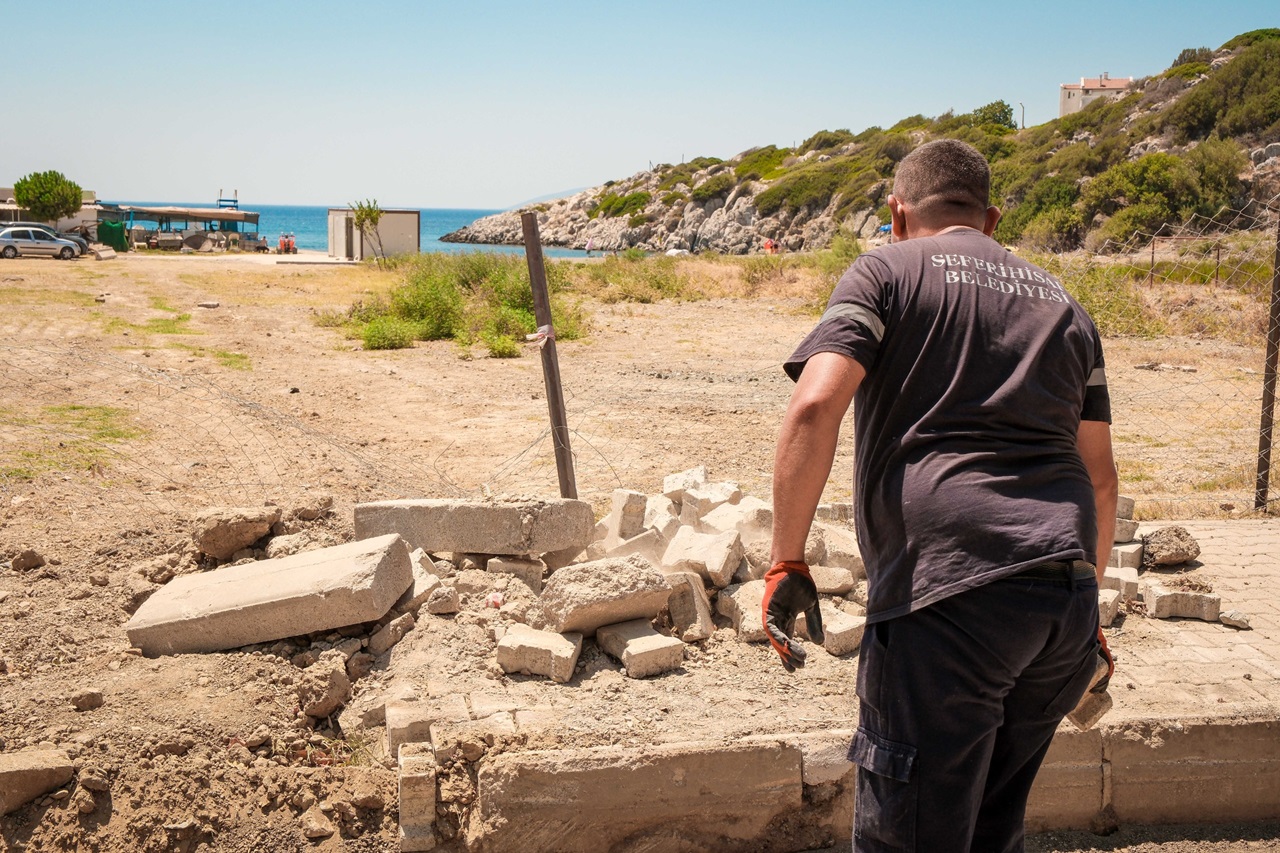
1199,136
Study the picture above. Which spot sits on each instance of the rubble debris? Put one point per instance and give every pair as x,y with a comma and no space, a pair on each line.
675,485
1235,619
840,549
27,560
641,650
417,798
625,519
315,507
27,774
425,584
750,517
443,600
648,544
528,571
689,607
221,532
831,580
532,652
842,632
499,526
714,556
743,604
1108,606
87,700
390,634
584,596
1124,579
324,686
1169,546
1164,603
273,599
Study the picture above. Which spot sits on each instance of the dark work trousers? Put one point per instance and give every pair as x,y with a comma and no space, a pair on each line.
959,701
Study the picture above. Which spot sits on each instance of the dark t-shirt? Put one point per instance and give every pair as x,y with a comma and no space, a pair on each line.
980,368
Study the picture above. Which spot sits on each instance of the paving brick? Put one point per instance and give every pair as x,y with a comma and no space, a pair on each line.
709,796
1124,579
1108,606
273,599
528,571
641,650
516,526
1165,603
1126,556
706,497
406,722
584,596
27,774
842,632
417,810
648,544
1124,507
751,517
840,549
526,650
1125,530
675,485
689,607
742,604
469,737
714,556
831,580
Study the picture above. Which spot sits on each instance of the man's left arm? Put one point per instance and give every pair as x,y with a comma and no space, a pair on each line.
1093,440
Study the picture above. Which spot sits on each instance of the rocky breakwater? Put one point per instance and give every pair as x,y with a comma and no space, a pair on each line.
676,208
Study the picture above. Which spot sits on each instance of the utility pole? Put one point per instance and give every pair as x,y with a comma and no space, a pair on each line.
1024,115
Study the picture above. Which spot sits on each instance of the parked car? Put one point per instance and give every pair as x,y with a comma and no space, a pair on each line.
35,241
81,243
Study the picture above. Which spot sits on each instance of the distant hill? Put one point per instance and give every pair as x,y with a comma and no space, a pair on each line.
1203,134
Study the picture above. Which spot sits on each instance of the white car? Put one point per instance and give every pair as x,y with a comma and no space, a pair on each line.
34,241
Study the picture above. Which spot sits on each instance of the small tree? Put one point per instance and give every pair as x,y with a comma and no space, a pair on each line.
48,196
998,113
367,216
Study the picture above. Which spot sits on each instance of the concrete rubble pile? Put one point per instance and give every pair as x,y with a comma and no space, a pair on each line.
1149,572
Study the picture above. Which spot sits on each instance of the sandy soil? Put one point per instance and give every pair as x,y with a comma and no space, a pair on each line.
125,408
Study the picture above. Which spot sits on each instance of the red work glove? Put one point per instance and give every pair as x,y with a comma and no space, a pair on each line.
789,591
1105,653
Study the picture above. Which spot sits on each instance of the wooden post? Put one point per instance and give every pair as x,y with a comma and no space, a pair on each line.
550,364
1269,387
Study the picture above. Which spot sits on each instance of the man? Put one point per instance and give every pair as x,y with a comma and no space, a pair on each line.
985,498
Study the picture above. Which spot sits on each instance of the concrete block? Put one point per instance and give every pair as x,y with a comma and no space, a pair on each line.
528,571
425,582
824,755
838,512
703,499
1237,619
714,556
692,796
658,509
417,798
1126,556
1165,603
690,607
390,634
1125,530
222,532
1124,579
750,517
648,544
674,485
406,722
27,774
1108,606
841,549
842,632
641,650
743,605
667,527
758,558
1124,507
532,652
1190,771
626,519
1068,791
830,580
512,526
584,596
273,599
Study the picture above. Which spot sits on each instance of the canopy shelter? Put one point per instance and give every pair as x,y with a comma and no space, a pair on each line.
170,218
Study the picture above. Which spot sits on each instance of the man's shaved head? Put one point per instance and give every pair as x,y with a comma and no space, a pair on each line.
945,182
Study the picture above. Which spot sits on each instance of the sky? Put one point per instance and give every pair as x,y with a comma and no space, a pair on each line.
487,104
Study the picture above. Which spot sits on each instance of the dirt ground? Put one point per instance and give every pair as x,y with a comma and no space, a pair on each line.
125,407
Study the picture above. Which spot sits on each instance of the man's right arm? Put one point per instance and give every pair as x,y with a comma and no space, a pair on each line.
1093,440
807,447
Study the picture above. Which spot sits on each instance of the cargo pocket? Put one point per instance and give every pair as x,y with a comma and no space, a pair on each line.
1070,695
884,818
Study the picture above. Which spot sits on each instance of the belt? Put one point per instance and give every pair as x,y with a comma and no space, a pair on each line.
1057,571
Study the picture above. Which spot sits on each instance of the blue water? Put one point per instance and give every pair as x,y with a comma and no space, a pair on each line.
310,226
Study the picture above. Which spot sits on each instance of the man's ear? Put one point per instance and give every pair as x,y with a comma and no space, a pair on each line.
898,218
991,221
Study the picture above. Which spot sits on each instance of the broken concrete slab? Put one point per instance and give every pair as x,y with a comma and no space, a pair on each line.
701,500
584,596
501,526
648,544
1237,619
274,599
1124,507
689,607
222,532
842,632
743,605
1169,546
709,796
626,519
675,485
841,549
1124,579
750,517
532,652
27,774
1165,603
641,650
1125,530
714,556
390,634
528,571
830,580
1108,606
417,810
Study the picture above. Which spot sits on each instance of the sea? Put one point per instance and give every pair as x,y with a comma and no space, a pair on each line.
310,226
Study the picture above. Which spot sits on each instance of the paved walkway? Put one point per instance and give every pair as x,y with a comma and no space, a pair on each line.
1184,667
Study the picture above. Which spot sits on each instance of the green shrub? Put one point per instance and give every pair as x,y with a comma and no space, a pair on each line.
499,345
1056,229
811,184
1240,98
1192,54
713,187
762,163
1251,38
388,332
612,204
673,198
824,140
1187,70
